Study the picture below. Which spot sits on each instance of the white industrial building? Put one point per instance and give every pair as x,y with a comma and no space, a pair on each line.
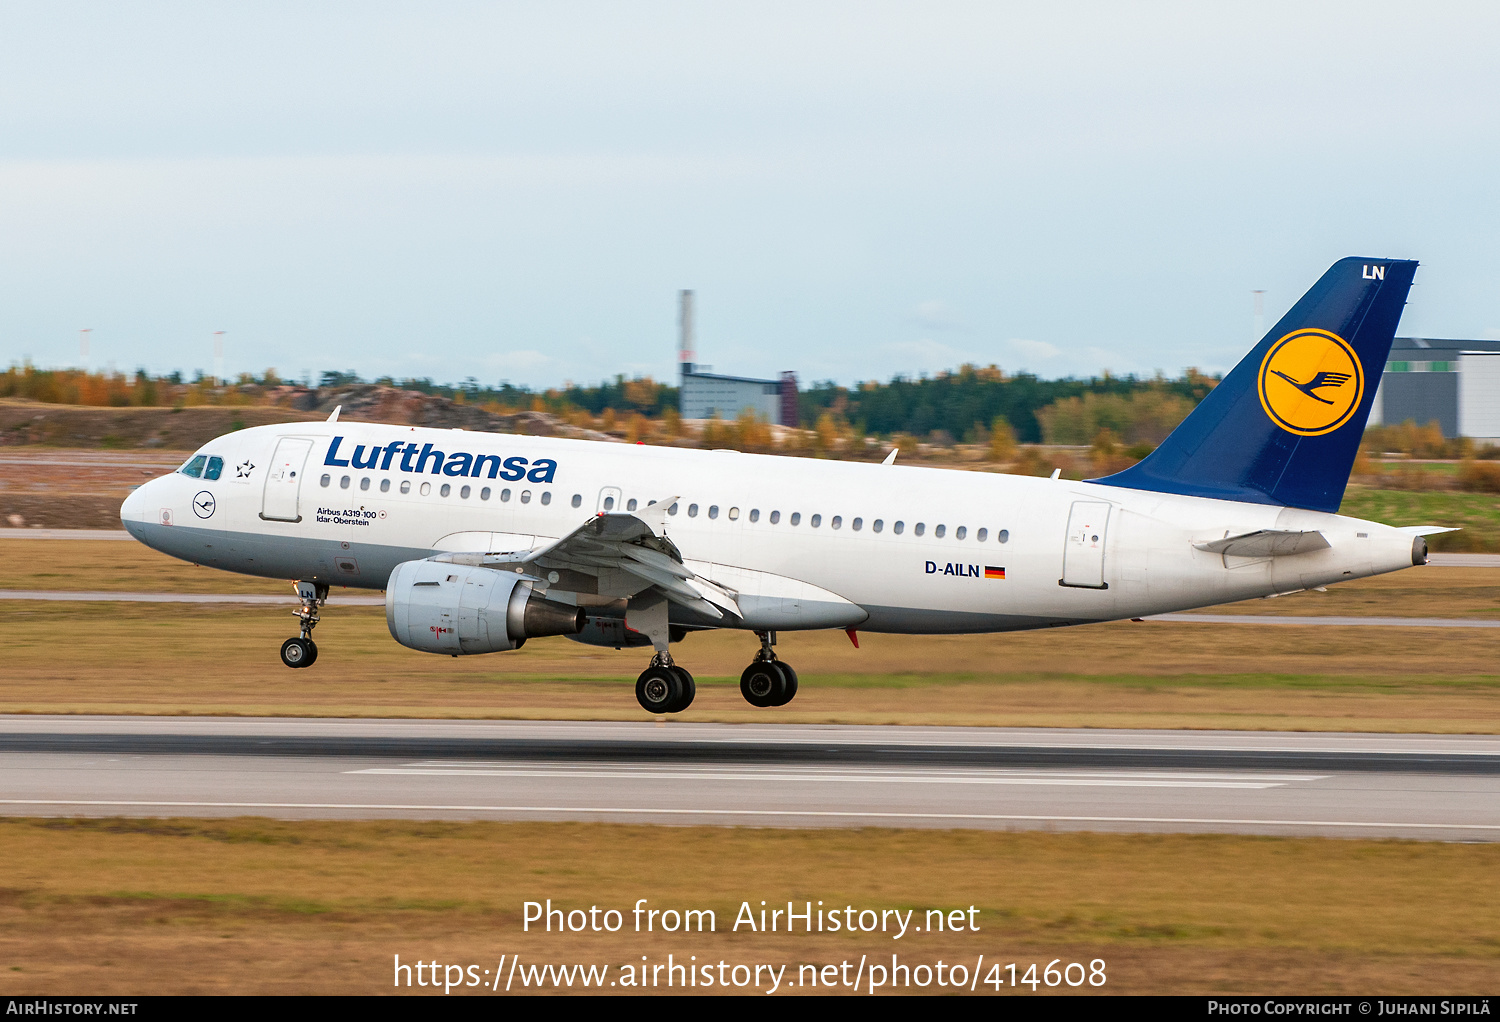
1454,382
703,394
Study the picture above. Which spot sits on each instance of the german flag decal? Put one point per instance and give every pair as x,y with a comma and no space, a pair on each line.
990,571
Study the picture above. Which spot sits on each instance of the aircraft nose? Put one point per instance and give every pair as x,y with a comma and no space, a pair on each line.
134,508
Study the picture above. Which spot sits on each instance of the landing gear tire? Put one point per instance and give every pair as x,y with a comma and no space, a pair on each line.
789,682
688,690
298,652
762,684
659,690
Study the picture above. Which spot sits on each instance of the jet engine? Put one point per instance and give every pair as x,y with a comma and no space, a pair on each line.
454,609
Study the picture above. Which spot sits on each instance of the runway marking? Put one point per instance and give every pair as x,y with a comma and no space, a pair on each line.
1121,779
753,813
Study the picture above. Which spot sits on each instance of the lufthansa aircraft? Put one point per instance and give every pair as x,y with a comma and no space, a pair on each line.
482,541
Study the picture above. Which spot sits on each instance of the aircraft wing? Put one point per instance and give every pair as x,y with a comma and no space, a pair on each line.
1266,543
615,554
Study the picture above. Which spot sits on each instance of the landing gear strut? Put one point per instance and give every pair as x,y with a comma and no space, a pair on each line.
302,651
768,681
664,687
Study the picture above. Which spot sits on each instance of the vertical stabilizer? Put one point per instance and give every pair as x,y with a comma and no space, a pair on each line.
1285,424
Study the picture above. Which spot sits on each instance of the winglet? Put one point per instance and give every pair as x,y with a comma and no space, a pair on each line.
333,416
890,459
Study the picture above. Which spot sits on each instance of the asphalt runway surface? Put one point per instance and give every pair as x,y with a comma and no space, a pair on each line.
1426,787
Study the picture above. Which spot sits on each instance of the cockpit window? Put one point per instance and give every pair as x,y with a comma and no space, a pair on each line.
215,466
194,467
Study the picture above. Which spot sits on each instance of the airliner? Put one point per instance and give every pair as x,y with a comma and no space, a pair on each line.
482,541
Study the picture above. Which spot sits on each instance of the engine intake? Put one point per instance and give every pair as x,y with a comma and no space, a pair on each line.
455,609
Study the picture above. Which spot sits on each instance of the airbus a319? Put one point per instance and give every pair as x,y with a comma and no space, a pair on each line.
483,541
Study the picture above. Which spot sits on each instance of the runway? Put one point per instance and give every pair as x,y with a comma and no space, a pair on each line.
1429,787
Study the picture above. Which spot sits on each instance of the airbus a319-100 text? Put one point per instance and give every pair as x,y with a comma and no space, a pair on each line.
482,541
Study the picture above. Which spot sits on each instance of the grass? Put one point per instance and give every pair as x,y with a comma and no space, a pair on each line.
1477,514
184,659
187,659
257,906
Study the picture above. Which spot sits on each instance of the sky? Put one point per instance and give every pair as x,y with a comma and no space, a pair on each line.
517,191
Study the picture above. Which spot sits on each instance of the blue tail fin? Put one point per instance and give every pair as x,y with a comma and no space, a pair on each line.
1285,424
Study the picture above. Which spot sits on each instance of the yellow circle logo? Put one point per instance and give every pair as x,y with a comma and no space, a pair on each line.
1311,382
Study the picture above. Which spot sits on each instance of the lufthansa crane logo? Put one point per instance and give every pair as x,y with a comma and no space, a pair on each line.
1311,382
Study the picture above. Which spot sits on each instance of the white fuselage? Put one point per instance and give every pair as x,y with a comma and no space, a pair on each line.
1069,552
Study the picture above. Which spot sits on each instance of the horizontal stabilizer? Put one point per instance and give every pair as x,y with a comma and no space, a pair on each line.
1426,530
1266,543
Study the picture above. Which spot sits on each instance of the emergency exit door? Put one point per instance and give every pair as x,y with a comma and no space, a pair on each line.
1083,554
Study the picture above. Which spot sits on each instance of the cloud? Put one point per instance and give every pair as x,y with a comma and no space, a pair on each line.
925,351
936,315
521,360
1029,349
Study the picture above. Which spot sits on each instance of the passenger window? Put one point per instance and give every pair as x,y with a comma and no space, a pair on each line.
609,504
673,509
426,489
960,532
546,496
878,525
464,493
1003,535
215,466
796,518
775,517
734,514
445,490
938,532
816,521
921,528
982,535
692,510
630,504
713,511
405,485
755,514
325,480
525,496
578,500
364,484
504,496
194,467
344,482
898,528
385,486
484,494
857,524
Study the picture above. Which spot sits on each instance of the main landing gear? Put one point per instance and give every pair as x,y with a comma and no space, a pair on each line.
302,651
768,681
664,687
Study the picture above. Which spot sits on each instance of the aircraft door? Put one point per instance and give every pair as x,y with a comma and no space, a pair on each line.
284,480
1083,554
609,499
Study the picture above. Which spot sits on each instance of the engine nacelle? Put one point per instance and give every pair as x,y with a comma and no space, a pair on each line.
454,609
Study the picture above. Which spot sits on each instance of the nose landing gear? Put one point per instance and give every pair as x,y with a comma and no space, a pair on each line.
302,651
768,681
